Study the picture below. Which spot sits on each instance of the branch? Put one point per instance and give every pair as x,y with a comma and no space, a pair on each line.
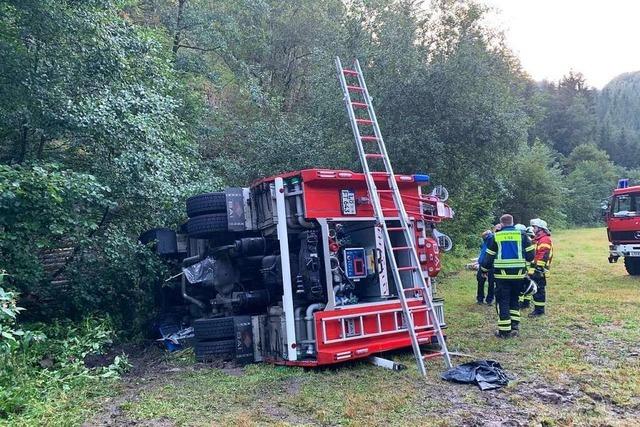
202,49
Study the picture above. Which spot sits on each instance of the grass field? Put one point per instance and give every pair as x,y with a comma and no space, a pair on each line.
579,365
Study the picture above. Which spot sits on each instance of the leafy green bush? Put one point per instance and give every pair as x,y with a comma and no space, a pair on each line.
44,207
47,368
117,269
9,332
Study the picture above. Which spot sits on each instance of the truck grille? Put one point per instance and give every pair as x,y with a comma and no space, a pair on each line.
618,236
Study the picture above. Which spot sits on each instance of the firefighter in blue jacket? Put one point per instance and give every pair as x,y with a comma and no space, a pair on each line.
482,277
508,253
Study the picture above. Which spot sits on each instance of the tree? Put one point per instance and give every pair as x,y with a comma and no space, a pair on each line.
535,186
590,178
89,102
569,119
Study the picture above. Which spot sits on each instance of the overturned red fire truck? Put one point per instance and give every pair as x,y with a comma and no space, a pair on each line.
293,269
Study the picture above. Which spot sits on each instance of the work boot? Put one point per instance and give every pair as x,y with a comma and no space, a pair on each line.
536,313
489,301
479,302
515,326
503,334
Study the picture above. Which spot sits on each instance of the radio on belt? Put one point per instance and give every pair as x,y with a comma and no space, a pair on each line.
355,263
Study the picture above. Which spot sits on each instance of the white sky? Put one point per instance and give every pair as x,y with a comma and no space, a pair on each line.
599,38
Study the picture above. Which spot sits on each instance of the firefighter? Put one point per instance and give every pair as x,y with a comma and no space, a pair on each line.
541,263
481,277
524,299
508,254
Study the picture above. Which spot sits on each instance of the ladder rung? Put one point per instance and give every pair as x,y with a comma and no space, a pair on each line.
432,355
385,191
407,268
369,138
359,104
395,228
412,289
350,72
364,121
374,156
419,309
401,248
355,88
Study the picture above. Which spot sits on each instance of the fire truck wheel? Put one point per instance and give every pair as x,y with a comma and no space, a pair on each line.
204,225
214,329
206,203
632,264
211,350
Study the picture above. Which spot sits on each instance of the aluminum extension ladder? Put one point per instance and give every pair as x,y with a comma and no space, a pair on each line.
368,120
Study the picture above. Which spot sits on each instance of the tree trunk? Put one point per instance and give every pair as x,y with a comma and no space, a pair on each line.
178,32
43,141
23,144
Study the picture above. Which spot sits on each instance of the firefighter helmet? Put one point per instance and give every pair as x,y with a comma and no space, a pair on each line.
537,222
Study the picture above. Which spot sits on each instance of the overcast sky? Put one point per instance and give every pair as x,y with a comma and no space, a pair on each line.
599,38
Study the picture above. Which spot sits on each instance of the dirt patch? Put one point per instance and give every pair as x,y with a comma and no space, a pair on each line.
149,367
294,386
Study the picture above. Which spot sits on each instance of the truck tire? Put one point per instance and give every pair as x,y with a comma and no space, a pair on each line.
206,203
214,329
204,225
632,264
206,351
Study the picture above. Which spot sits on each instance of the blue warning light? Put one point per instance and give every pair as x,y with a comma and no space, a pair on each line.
421,177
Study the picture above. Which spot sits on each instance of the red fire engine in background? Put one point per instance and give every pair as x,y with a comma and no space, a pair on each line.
623,226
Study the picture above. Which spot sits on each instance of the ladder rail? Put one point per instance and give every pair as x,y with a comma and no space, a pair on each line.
403,217
393,185
375,199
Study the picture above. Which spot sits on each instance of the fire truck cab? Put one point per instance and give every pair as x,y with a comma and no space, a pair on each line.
293,270
623,226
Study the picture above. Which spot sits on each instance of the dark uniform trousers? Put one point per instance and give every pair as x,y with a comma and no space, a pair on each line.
540,297
507,293
490,285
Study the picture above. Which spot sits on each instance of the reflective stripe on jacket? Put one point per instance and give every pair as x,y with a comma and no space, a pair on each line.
544,250
508,253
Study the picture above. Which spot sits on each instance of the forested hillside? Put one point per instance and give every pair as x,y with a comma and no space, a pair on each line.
618,108
113,112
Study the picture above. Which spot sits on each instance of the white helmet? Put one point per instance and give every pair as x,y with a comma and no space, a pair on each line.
537,222
520,227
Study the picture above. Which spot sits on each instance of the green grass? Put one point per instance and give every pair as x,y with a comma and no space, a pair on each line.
585,350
